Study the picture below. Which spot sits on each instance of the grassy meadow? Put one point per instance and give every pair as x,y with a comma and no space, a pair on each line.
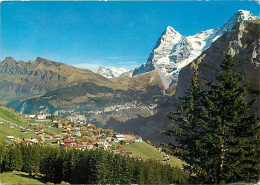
146,151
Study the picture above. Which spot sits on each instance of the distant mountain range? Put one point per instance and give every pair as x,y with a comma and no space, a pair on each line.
138,103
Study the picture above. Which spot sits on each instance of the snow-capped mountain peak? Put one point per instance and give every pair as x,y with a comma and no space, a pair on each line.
170,29
245,15
110,72
169,37
240,15
161,51
173,51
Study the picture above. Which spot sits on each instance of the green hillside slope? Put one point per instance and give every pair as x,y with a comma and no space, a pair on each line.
11,124
146,151
13,119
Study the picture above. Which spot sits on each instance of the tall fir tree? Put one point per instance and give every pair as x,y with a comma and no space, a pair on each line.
232,129
13,159
186,127
215,131
138,174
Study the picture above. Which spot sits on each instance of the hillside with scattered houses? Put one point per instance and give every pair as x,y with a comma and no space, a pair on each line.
43,128
40,148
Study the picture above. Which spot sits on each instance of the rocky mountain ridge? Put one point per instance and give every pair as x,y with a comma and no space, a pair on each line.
24,79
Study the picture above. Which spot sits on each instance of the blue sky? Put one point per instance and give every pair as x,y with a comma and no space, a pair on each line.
90,34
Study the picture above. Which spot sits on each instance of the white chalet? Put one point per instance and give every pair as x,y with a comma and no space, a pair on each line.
119,137
43,115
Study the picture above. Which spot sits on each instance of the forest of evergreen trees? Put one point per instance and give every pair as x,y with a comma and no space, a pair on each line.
86,167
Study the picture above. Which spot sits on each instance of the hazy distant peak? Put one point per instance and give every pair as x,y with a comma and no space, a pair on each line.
110,72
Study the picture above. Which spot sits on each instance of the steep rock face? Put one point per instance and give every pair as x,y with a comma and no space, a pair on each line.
23,79
173,51
243,43
110,72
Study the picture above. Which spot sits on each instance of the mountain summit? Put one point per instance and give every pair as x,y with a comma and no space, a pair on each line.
174,51
159,59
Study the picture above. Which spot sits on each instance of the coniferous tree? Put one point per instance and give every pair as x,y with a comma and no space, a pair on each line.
13,159
149,173
215,132
31,158
187,127
232,129
118,169
52,165
127,171
138,174
26,158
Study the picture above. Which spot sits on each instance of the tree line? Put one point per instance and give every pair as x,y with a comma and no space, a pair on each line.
86,167
215,130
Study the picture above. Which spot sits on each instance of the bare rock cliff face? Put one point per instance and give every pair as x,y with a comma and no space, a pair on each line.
243,43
